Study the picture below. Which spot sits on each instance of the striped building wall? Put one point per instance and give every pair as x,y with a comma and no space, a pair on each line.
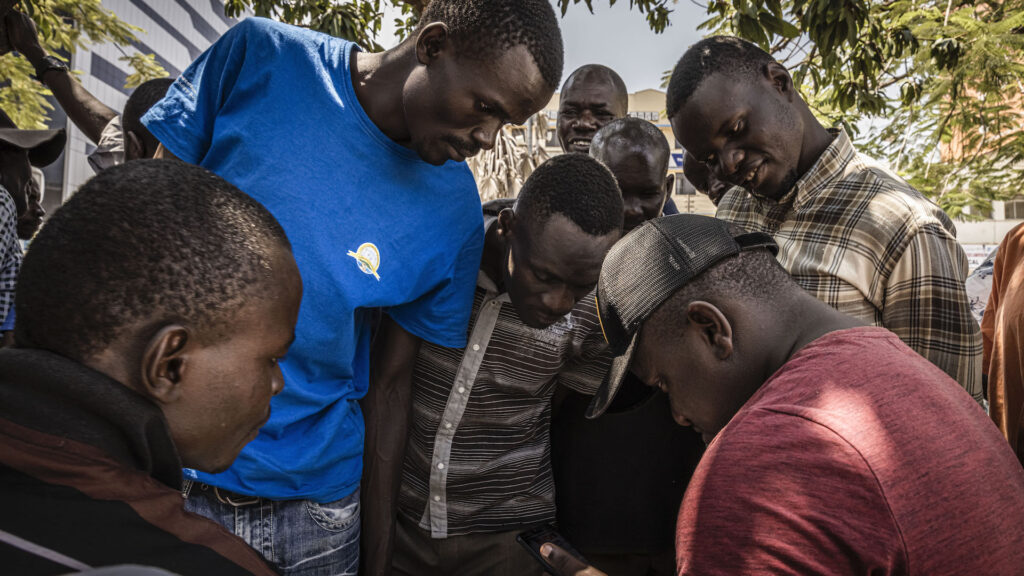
176,31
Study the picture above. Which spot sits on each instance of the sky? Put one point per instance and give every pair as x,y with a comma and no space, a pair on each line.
618,38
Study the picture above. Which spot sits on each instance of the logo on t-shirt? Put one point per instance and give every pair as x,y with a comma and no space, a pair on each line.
368,258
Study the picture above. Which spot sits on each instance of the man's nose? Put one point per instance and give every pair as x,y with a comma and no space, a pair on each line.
586,120
729,161
277,381
559,301
484,136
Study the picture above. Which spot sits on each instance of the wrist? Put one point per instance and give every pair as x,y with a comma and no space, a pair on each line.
48,64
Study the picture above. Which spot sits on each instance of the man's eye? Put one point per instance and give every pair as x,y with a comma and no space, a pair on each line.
483,107
737,128
710,159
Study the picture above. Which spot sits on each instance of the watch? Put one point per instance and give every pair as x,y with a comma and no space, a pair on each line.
47,63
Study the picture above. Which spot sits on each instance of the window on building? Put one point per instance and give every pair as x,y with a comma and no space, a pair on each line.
1014,209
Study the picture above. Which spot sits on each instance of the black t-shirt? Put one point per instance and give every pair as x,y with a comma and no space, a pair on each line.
619,479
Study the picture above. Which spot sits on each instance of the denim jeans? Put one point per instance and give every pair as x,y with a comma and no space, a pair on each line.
298,537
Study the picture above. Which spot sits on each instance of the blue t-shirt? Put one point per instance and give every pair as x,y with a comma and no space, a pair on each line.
271,108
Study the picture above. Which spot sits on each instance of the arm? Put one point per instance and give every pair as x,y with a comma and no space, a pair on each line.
386,410
164,154
926,306
88,113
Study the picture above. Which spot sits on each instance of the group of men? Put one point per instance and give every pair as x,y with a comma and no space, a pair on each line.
303,304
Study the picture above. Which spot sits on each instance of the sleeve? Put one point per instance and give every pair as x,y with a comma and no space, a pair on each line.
10,253
184,120
926,305
110,151
798,500
441,316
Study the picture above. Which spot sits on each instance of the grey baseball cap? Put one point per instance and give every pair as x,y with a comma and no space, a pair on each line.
647,267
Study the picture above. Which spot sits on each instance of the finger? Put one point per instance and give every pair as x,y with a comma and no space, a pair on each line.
566,564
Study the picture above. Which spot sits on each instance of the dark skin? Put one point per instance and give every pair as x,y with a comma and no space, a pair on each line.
213,385
703,180
588,101
425,95
644,183
15,175
755,132
87,112
32,219
735,345
545,268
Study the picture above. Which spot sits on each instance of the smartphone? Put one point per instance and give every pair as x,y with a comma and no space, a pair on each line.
534,538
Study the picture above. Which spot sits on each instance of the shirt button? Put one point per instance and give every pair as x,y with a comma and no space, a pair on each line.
440,465
462,389
448,425
437,498
476,347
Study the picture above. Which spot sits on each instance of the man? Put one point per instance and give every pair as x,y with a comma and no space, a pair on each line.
703,180
621,517
851,232
591,97
118,138
478,469
359,155
830,443
1004,347
19,151
152,312
32,219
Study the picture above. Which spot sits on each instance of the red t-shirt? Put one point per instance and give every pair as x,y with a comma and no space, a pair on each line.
857,457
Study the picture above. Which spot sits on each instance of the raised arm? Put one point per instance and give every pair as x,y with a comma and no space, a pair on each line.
88,113
386,411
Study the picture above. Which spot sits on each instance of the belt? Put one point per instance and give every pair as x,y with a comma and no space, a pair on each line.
223,496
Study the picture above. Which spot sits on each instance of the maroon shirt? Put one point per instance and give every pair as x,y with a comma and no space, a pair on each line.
857,457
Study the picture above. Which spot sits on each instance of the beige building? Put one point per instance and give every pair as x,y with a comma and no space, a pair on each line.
649,105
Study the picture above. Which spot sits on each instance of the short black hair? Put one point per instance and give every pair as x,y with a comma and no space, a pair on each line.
633,135
600,70
150,240
490,27
715,55
141,100
577,187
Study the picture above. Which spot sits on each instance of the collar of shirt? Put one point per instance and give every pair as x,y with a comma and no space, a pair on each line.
829,166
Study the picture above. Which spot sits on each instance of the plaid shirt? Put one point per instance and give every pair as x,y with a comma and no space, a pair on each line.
10,253
479,453
862,240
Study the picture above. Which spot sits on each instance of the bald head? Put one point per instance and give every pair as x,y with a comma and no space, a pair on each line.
637,153
591,97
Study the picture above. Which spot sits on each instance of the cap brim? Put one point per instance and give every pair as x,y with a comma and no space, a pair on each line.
610,387
44,146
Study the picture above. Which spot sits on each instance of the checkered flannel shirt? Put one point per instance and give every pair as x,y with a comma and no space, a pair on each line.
862,240
10,252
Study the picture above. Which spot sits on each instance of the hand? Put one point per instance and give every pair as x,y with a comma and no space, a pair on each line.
566,564
22,34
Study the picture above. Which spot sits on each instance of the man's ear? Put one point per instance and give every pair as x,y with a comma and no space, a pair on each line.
506,223
715,330
670,186
431,41
134,149
164,362
780,79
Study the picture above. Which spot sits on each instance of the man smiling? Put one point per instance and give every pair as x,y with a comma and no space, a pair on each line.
851,232
359,155
830,450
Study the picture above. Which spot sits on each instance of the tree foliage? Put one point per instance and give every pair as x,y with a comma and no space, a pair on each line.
65,26
943,81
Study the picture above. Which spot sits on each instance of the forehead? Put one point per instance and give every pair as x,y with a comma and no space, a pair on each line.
559,244
634,165
718,99
510,79
593,89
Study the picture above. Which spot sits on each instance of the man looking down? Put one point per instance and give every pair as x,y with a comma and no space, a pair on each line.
850,231
829,442
478,467
359,156
153,310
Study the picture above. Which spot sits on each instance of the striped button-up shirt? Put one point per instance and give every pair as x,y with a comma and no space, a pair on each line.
479,454
862,240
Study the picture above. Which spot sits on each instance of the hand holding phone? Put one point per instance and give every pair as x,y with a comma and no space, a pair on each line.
564,559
